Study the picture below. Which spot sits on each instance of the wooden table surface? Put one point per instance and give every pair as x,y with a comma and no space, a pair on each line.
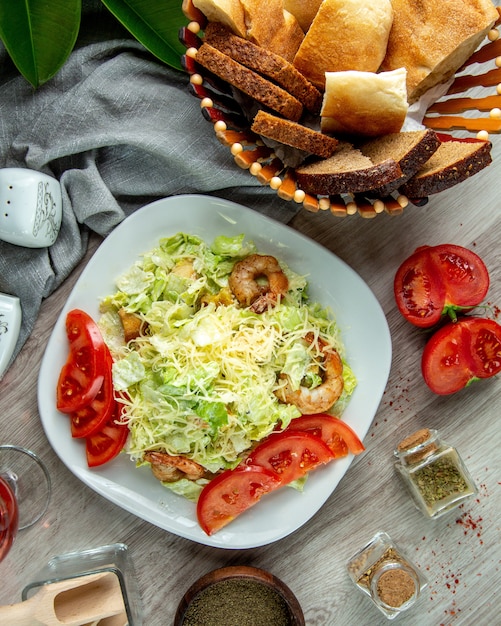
460,553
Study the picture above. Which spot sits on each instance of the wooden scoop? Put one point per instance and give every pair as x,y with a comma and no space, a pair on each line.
72,602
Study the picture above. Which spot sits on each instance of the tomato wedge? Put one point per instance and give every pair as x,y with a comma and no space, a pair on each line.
439,280
91,418
461,352
106,444
83,374
290,455
232,493
338,436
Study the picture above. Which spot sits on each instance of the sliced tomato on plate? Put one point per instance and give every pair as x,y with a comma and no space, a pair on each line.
439,280
83,373
106,444
290,455
461,352
232,493
91,418
338,436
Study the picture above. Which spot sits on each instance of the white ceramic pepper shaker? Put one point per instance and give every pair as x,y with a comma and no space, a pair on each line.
30,207
10,325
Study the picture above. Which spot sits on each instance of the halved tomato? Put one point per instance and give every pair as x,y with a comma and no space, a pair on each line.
461,352
91,418
83,374
106,444
290,455
338,436
231,493
439,280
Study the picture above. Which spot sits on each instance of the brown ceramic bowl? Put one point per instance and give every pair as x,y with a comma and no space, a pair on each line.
239,594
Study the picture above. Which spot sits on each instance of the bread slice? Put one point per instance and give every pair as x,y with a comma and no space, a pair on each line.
271,65
433,39
410,149
249,82
453,162
347,171
293,134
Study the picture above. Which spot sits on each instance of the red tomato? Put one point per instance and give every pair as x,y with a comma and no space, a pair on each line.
82,375
437,281
333,431
91,418
461,352
231,493
291,455
106,444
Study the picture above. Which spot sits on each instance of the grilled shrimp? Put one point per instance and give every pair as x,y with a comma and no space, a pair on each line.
321,398
169,468
243,282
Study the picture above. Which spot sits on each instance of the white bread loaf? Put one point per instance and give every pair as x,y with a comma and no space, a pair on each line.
264,22
364,103
227,12
432,39
345,35
303,10
286,41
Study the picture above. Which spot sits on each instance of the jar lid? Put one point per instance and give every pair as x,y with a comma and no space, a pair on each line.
395,586
418,445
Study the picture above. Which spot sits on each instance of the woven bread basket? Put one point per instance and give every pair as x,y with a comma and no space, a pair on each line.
470,108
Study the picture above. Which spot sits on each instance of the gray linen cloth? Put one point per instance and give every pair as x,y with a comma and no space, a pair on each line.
118,129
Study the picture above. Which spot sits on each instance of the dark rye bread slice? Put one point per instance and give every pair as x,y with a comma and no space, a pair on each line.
347,171
410,149
266,63
452,163
249,82
293,134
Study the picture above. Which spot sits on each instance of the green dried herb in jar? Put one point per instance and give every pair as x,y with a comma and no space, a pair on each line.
434,473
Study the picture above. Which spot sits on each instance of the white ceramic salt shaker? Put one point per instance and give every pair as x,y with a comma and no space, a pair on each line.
10,325
30,207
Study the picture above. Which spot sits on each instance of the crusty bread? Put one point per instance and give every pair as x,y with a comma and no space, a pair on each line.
364,103
263,19
264,22
345,35
266,63
303,10
433,39
250,83
347,171
286,40
294,135
227,12
410,149
453,162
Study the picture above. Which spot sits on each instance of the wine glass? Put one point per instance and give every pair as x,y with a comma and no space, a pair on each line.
25,490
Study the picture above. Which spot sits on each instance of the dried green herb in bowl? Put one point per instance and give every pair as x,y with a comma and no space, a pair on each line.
239,595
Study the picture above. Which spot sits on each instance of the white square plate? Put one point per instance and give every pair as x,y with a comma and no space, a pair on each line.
364,331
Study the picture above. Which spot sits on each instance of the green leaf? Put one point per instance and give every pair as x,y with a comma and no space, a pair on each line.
155,24
39,35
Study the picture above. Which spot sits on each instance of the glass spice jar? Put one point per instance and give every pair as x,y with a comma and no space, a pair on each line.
434,473
386,575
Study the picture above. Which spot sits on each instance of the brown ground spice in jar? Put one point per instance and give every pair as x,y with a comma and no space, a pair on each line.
237,602
395,587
